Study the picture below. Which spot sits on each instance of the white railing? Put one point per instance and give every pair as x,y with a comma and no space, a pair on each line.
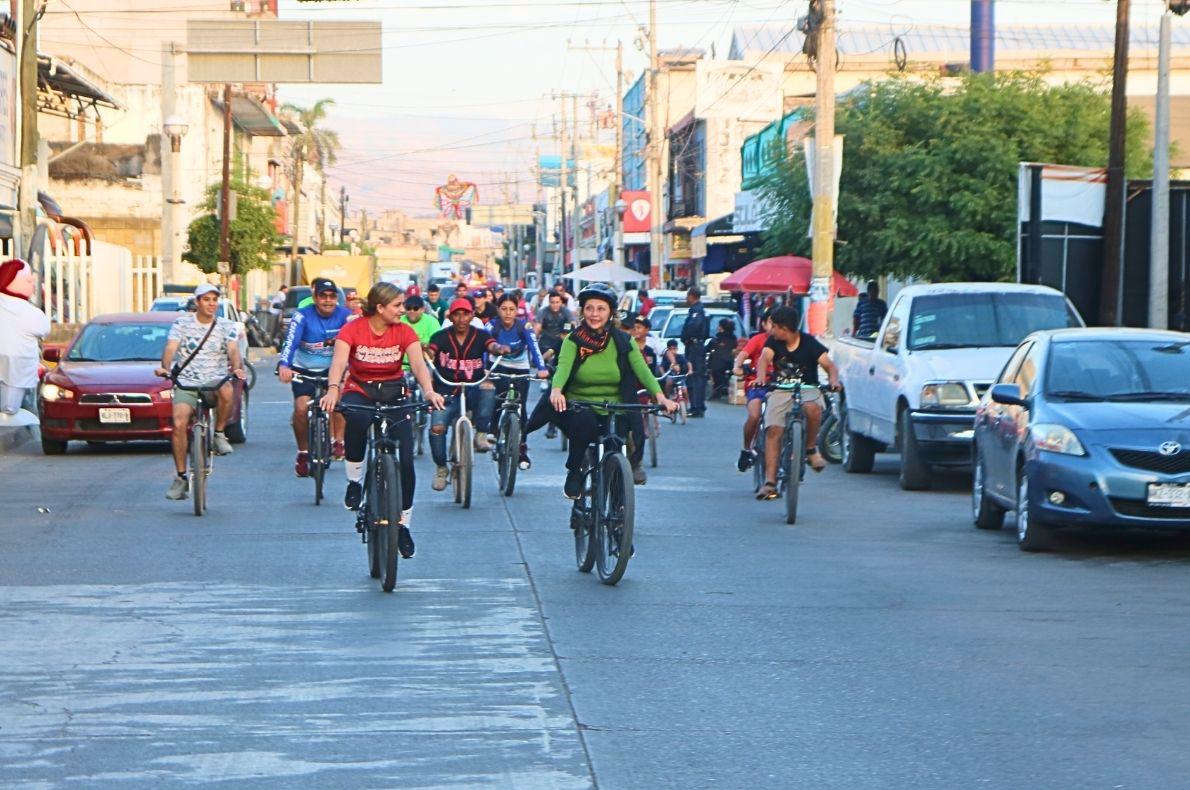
145,278
66,287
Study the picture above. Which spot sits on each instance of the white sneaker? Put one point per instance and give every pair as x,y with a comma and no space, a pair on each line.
481,443
221,445
178,489
441,476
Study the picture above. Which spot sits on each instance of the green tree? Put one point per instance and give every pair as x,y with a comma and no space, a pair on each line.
315,146
253,232
930,171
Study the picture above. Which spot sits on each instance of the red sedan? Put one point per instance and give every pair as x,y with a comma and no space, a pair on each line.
104,390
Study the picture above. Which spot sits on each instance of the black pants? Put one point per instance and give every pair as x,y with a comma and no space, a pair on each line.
584,428
697,381
400,428
522,390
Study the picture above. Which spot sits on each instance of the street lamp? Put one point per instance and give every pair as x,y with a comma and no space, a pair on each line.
175,127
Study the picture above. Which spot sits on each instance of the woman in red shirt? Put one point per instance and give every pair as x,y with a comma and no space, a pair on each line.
754,396
370,351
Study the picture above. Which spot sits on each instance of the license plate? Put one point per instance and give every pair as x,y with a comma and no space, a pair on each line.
1169,494
115,416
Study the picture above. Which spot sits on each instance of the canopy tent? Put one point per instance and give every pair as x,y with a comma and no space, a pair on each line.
606,272
782,274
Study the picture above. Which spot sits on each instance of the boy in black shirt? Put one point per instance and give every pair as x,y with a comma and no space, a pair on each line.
790,355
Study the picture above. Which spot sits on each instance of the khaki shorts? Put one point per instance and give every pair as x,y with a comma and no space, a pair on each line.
780,402
190,397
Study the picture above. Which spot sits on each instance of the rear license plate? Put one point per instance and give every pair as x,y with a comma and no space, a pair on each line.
116,416
1169,494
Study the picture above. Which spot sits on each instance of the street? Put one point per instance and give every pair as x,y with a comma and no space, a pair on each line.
880,642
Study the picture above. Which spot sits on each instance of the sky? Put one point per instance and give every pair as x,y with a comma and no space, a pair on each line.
468,83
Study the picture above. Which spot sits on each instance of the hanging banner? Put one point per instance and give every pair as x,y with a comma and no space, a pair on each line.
811,163
638,216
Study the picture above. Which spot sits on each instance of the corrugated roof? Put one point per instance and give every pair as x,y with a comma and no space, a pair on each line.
939,40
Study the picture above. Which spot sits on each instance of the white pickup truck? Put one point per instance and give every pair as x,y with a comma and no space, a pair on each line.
914,387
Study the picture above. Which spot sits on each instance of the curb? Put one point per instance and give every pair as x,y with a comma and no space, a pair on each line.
12,438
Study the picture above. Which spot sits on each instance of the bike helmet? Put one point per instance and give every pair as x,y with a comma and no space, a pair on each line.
598,291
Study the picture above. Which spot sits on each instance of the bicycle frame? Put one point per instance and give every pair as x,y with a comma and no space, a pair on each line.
462,427
201,433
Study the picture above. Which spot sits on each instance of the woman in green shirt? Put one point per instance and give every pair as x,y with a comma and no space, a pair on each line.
597,363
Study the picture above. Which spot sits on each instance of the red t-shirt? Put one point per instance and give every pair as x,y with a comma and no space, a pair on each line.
375,357
753,348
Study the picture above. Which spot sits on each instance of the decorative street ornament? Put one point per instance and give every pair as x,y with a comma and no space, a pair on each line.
455,198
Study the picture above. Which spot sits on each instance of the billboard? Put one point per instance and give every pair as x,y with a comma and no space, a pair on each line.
638,216
275,50
549,169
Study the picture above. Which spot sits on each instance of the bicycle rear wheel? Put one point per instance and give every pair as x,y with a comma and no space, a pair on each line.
509,442
830,438
654,426
796,457
758,459
683,409
198,468
388,527
319,448
419,432
614,518
465,453
582,521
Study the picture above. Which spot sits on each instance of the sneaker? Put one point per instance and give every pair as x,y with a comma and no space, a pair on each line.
355,492
525,462
405,542
696,414
178,489
745,461
338,451
551,432
301,467
441,478
573,488
221,445
482,445
638,475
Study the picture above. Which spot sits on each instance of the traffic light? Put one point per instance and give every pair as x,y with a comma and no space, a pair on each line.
1179,7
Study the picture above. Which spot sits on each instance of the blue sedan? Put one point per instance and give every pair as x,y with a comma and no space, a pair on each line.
1086,428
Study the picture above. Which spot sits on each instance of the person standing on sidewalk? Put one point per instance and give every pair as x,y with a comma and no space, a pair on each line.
694,334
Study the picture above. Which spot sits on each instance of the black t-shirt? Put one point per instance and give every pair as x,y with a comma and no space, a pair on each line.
650,356
458,361
554,324
803,359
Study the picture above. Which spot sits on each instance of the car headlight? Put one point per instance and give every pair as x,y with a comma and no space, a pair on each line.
945,395
52,392
1056,439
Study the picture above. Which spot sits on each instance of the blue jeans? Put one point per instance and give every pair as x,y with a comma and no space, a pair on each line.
480,402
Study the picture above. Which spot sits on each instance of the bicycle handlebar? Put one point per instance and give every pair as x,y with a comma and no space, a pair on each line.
173,376
487,374
579,405
382,407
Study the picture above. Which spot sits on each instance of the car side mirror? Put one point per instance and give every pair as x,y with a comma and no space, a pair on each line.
1007,394
52,354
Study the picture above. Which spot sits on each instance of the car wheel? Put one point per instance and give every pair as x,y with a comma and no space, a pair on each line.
1031,534
984,512
915,472
53,446
237,432
859,454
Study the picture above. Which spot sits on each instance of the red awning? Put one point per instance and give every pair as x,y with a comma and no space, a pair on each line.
779,275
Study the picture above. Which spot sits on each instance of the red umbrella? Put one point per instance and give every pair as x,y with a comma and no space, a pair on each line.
780,274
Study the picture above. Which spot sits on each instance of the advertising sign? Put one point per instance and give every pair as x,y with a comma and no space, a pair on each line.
638,217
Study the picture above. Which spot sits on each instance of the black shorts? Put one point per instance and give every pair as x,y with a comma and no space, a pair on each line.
304,389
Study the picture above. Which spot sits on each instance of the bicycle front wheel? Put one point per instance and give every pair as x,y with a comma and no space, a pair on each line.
796,458
198,468
388,497
615,514
683,410
654,429
510,452
582,521
465,452
320,453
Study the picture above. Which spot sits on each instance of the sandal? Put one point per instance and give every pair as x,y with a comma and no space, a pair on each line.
811,455
767,491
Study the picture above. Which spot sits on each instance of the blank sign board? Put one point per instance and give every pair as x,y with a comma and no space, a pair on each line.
274,50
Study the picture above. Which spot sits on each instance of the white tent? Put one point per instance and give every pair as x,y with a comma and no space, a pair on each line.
606,272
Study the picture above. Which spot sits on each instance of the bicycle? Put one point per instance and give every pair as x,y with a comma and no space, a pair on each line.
378,519
830,435
462,448
793,449
421,417
681,394
603,517
201,439
507,450
318,432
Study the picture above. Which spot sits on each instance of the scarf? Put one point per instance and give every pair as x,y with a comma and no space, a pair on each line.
588,340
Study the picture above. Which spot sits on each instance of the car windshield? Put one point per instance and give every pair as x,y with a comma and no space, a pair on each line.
674,327
1119,370
967,320
168,306
119,343
658,315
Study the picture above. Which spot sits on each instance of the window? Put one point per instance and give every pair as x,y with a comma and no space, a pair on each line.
1120,370
1008,375
972,320
120,343
1027,373
892,330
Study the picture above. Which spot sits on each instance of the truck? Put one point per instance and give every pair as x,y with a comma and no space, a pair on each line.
914,386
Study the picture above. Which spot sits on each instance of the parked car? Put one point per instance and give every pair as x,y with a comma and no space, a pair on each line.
676,319
1086,428
104,389
630,302
171,304
915,388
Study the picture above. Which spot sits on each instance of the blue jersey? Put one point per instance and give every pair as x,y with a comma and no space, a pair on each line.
523,342
310,344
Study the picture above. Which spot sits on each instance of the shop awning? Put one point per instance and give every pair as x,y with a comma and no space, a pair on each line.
781,274
253,117
720,226
63,90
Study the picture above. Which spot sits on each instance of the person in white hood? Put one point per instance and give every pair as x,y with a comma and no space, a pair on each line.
22,327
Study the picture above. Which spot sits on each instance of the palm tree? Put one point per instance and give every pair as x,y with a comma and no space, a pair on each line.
313,145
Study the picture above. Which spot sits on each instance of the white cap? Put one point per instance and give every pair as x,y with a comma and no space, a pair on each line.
205,288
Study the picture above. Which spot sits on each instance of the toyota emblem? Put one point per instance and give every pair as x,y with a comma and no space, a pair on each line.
1170,448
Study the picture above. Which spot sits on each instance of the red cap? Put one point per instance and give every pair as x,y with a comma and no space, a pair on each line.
460,304
413,290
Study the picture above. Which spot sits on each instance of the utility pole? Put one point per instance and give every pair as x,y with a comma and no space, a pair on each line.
1113,215
224,264
618,177
172,218
655,154
27,14
823,246
562,182
983,36
576,217
342,214
1159,248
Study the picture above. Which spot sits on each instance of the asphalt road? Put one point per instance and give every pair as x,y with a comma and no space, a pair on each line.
881,642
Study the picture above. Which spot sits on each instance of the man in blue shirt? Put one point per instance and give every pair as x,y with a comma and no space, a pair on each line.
308,348
870,312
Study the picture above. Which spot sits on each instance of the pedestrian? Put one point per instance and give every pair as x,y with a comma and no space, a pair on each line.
277,300
694,334
646,304
22,327
721,357
869,313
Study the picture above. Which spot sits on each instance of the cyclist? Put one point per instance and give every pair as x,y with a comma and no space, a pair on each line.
673,361
516,335
308,348
598,363
554,322
484,309
753,395
640,333
423,321
208,348
435,302
791,354
370,351
458,354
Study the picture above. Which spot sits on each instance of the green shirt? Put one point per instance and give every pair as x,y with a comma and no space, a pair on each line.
598,378
425,328
437,308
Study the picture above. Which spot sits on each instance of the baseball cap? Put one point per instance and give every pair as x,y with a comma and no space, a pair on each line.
460,304
646,323
321,284
414,302
413,290
205,288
